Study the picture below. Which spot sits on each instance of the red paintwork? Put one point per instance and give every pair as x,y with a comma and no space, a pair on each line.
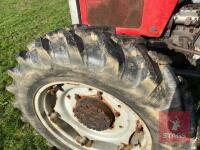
156,14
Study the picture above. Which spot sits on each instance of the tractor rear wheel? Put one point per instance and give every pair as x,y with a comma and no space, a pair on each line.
87,89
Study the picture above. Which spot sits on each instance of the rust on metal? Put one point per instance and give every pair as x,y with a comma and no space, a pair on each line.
99,94
137,135
54,116
112,126
52,90
77,97
93,112
139,127
117,114
84,141
119,106
81,140
68,96
89,143
124,147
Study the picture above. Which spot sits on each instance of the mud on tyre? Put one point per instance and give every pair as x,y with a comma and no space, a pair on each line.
96,58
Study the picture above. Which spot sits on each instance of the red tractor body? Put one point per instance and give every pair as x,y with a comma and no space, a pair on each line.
129,17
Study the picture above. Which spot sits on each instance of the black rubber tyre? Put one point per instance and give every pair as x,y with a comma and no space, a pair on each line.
97,58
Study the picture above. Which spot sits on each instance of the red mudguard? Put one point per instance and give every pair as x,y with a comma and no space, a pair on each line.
155,16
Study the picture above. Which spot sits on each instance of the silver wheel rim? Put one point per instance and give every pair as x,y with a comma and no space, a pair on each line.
65,127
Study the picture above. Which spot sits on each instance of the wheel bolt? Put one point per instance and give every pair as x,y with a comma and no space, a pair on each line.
54,116
77,97
117,114
82,140
68,96
124,147
99,94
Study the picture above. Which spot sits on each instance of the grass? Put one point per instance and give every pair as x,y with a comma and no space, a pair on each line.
22,21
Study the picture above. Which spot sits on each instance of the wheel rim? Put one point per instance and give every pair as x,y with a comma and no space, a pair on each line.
55,103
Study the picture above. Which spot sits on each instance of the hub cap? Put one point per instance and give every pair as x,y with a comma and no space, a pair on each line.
84,117
94,113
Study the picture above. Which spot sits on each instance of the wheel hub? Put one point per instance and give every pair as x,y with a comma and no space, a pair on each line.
94,113
89,118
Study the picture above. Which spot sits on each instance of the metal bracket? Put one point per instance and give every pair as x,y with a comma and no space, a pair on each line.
74,11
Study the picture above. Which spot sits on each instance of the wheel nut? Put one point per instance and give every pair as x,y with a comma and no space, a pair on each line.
54,116
82,140
124,147
77,97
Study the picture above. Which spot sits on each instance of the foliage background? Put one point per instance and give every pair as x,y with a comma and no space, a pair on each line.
22,21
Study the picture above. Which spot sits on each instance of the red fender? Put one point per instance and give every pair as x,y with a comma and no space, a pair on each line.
156,14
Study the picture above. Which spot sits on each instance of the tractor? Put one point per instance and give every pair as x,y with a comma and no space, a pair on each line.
114,80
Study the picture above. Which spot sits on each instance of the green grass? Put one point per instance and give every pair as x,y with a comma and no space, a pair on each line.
22,21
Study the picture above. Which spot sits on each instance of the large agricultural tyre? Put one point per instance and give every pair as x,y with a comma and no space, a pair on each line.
88,89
